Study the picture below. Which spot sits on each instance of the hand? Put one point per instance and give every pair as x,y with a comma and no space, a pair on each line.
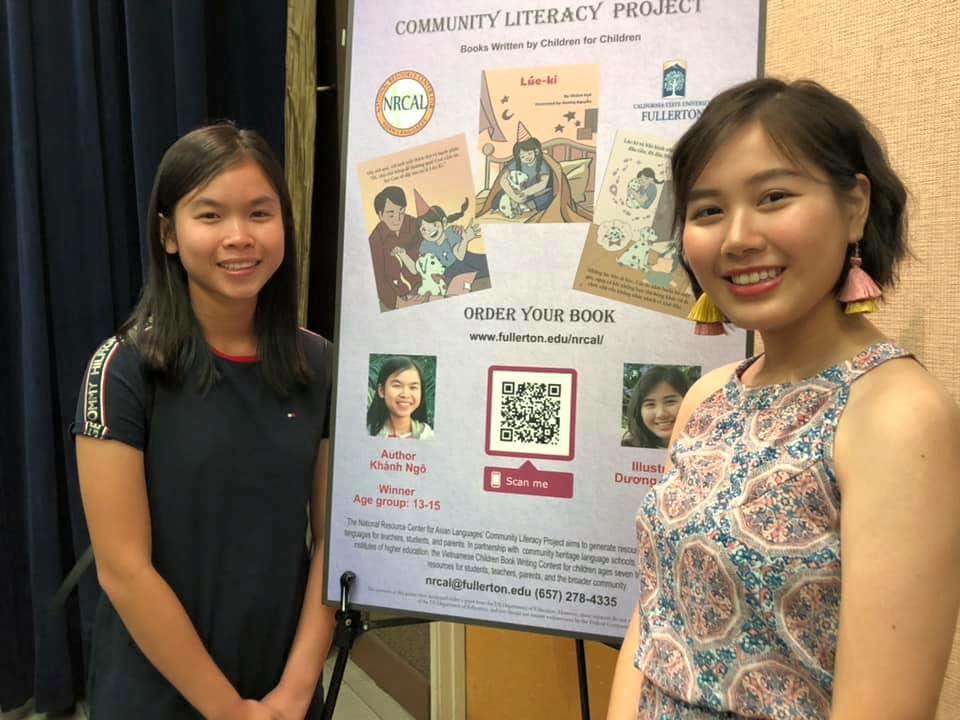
250,710
285,705
470,232
399,252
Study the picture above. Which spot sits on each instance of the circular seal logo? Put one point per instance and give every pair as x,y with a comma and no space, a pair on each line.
405,103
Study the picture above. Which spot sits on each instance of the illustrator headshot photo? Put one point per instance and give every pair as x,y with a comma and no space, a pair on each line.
400,396
651,399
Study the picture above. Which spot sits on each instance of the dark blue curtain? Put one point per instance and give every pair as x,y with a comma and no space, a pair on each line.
91,94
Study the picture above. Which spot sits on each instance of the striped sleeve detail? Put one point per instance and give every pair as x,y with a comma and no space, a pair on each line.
95,389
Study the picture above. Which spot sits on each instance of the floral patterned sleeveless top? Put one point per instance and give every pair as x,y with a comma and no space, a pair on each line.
739,553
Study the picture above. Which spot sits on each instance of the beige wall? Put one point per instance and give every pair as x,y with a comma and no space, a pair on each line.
899,62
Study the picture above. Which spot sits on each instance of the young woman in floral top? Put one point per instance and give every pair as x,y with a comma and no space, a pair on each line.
784,199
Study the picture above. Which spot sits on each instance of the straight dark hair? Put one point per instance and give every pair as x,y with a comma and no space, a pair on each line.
640,435
394,194
811,126
377,413
163,326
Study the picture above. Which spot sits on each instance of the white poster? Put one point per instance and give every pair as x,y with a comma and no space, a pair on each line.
512,342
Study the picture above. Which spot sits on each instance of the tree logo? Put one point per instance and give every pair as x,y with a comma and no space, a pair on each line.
405,103
674,79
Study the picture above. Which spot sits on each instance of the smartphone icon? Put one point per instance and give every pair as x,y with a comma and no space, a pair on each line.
495,479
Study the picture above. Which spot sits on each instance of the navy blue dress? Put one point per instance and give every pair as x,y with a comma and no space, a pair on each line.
229,476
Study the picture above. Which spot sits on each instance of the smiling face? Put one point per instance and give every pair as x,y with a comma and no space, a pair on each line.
528,157
431,231
659,408
229,236
767,237
401,394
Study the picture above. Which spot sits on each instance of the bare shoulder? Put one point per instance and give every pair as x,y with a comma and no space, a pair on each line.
899,420
901,401
897,458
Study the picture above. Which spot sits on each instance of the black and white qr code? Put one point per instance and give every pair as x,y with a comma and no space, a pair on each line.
531,412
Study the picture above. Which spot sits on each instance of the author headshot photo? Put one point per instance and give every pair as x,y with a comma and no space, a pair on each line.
400,396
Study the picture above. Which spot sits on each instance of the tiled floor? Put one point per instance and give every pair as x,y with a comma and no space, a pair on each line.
359,699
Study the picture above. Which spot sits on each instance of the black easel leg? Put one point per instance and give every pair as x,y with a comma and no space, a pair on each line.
582,678
349,626
336,678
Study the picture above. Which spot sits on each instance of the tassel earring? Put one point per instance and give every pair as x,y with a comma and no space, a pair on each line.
708,317
859,291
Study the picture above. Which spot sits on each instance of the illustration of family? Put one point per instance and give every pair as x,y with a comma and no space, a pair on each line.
423,258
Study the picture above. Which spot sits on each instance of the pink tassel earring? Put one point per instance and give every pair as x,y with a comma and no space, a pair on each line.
859,292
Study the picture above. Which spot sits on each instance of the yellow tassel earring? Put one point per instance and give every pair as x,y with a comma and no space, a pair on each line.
707,316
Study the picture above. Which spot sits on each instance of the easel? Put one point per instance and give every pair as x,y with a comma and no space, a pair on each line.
351,624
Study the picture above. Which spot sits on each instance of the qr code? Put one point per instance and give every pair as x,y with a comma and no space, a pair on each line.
531,412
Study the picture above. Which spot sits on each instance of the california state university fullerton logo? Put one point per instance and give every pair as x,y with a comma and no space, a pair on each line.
674,79
405,103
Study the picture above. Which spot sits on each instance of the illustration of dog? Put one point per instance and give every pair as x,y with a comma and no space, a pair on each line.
431,276
634,200
507,207
637,255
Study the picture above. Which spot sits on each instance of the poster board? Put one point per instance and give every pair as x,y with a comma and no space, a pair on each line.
509,283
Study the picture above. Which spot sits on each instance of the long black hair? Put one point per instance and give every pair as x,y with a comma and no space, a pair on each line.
163,326
377,413
639,434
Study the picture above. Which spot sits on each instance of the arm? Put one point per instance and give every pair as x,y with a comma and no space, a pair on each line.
628,680
404,257
897,461
308,653
114,497
466,235
540,185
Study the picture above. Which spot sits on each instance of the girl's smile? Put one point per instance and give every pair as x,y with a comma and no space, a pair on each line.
659,409
228,235
401,393
753,282
431,230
